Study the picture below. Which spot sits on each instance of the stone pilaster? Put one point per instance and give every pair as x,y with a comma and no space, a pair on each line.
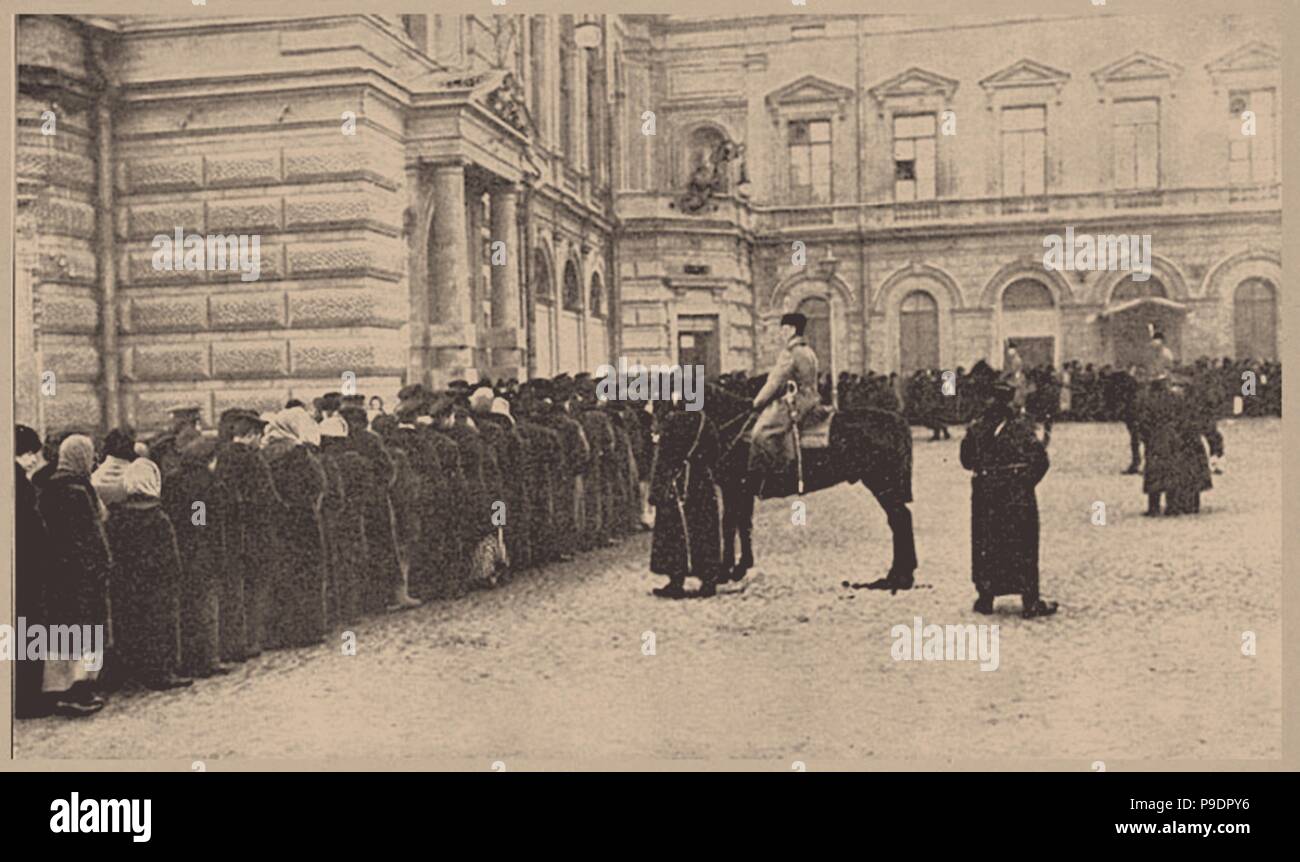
452,332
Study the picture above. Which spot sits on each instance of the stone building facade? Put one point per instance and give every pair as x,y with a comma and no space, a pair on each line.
423,187
903,174
448,196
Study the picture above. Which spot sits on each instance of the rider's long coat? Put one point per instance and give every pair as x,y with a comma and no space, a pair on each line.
773,444
687,537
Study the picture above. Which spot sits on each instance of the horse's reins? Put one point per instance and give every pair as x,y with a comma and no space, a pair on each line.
748,417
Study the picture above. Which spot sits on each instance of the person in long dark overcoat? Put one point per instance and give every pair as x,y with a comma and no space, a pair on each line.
544,466
449,518
253,509
382,585
687,540
290,445
31,564
421,492
346,536
201,537
80,565
403,495
146,581
232,600
598,483
572,467
1177,465
498,430
1008,462
481,491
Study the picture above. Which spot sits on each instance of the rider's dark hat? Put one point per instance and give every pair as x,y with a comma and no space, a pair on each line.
795,319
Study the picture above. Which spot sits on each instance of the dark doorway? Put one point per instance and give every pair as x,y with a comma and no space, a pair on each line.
818,331
697,343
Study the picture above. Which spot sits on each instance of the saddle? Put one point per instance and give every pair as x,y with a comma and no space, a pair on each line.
815,433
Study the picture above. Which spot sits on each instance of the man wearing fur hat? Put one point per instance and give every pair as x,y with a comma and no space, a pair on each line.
1008,461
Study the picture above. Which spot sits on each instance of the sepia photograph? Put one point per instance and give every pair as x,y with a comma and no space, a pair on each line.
497,387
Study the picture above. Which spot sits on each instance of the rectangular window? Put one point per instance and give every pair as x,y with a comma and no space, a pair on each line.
1251,130
1137,144
914,158
1024,151
810,161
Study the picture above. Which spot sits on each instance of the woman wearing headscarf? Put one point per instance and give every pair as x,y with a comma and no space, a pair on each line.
119,452
31,562
79,566
289,445
146,581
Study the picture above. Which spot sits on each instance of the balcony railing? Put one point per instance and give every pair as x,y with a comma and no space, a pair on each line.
937,213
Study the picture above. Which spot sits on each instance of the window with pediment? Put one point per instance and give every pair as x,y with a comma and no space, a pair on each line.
805,113
1136,133
809,144
1252,153
1024,150
1135,89
914,157
908,106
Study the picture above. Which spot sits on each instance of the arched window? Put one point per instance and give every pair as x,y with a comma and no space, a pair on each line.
818,331
1130,289
595,305
572,288
918,332
543,290
1027,293
1254,320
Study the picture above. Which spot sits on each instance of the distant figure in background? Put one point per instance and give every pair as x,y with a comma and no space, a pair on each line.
1162,358
1128,391
1013,372
1173,426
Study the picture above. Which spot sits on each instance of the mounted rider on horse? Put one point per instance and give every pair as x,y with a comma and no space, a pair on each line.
787,403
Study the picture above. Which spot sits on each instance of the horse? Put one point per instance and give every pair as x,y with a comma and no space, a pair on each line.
868,445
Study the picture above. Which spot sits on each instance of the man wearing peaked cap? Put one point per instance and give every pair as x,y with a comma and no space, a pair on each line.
185,429
772,448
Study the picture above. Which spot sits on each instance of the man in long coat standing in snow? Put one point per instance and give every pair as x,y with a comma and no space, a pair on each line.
1008,461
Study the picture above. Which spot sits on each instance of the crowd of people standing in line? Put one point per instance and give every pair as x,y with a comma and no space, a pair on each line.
198,550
